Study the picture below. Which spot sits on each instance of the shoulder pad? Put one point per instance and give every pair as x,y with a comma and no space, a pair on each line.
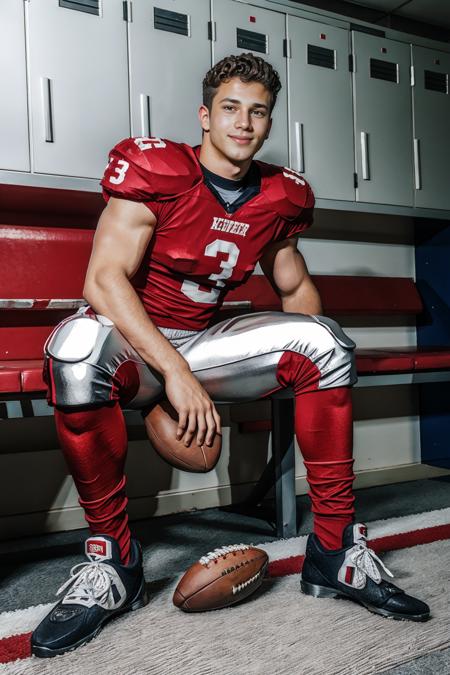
287,190
151,169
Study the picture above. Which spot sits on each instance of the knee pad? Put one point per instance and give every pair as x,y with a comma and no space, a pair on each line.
343,370
72,376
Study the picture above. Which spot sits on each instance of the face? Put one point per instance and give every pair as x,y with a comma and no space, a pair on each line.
239,121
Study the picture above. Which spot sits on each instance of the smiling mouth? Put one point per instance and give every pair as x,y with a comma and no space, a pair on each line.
242,140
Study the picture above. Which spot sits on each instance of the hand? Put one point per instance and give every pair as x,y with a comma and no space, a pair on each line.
197,414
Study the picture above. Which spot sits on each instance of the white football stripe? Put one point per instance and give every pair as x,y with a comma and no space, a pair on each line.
285,548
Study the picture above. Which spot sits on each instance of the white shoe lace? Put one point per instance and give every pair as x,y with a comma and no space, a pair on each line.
365,560
90,583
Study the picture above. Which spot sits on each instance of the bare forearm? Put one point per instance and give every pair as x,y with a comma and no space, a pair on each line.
304,300
113,296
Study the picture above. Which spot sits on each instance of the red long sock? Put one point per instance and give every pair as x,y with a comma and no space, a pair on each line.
324,431
94,442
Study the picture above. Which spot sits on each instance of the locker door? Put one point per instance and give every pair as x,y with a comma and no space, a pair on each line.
14,143
169,53
244,28
320,112
79,84
383,120
431,102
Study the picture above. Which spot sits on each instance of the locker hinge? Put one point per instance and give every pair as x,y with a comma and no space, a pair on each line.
287,51
212,31
413,76
128,11
351,64
355,180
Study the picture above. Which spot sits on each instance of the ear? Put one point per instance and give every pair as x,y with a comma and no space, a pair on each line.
268,129
203,116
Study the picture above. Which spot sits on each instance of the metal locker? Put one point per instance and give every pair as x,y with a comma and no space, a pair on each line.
431,105
170,53
79,84
320,108
14,140
243,28
383,120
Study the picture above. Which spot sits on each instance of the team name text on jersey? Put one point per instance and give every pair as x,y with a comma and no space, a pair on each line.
231,226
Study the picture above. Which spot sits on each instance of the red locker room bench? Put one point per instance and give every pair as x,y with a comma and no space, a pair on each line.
41,279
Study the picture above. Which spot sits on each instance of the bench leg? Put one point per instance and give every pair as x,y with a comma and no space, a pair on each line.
283,452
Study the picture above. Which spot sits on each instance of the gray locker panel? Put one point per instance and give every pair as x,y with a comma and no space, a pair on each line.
321,113
383,120
231,16
79,86
431,104
14,142
168,66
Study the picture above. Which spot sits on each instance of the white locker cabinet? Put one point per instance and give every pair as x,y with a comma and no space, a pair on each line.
383,120
243,28
431,105
170,53
79,84
14,141
321,111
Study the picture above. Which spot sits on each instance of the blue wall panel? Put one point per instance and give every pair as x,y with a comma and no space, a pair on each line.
433,281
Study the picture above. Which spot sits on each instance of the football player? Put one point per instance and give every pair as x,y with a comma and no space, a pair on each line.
182,226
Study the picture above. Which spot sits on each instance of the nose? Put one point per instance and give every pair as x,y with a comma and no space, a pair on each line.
243,120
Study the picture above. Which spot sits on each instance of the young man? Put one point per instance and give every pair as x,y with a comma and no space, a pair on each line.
182,226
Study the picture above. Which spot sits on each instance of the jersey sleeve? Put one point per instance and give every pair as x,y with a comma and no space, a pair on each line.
149,169
304,218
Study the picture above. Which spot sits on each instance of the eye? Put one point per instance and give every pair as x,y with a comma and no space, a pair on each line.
229,108
259,113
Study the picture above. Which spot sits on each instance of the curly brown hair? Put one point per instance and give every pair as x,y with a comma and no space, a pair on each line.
249,68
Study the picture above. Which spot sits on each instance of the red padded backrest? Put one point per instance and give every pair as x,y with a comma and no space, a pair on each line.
342,295
38,262
44,263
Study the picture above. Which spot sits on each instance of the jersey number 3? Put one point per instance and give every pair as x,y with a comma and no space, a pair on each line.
193,290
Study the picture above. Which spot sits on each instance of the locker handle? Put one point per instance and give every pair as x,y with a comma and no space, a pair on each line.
417,180
365,156
145,115
47,109
300,155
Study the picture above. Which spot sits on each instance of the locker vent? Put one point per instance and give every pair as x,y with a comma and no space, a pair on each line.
320,56
436,81
384,70
89,6
172,22
254,42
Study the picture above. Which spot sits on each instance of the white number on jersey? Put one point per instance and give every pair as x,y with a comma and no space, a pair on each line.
121,170
293,175
145,143
193,291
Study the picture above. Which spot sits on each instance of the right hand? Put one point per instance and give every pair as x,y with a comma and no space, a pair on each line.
197,414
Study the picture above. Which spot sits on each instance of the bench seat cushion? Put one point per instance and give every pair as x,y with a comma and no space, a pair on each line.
21,377
26,376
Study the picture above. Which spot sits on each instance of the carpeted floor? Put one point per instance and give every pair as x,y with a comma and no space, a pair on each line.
32,569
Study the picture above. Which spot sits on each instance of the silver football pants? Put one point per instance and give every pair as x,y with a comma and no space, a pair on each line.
89,362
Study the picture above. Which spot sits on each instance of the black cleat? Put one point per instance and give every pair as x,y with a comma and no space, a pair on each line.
352,572
96,592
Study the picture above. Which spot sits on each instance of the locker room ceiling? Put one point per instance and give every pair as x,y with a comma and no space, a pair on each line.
434,12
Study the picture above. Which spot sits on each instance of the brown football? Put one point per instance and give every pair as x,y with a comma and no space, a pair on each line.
161,424
221,578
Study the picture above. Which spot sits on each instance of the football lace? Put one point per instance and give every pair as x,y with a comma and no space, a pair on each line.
244,584
219,552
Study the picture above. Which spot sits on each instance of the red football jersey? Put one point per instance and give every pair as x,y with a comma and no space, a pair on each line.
199,251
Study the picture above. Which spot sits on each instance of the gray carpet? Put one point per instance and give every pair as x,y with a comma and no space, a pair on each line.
32,568
277,631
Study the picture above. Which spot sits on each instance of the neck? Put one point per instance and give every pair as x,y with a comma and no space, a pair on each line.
216,162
